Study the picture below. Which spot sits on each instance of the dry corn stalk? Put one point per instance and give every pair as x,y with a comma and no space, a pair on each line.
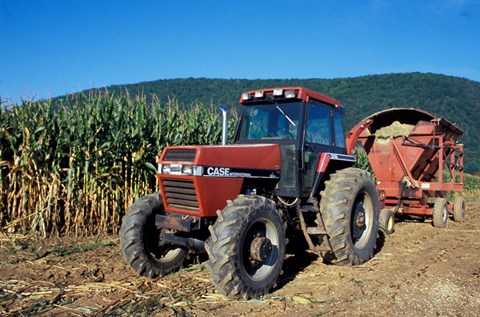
74,166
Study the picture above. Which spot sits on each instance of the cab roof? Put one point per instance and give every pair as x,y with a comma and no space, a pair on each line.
283,93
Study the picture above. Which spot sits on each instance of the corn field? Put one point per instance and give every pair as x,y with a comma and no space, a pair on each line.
73,167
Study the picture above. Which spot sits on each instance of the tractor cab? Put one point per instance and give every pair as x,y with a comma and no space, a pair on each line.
303,122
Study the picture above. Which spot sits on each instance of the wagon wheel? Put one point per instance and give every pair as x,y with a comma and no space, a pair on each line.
459,209
387,221
440,213
247,247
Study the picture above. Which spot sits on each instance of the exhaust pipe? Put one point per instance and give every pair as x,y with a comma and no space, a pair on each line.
224,125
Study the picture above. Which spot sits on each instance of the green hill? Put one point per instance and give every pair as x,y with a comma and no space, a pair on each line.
455,99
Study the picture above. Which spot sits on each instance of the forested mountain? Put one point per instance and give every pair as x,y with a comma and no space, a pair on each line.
455,99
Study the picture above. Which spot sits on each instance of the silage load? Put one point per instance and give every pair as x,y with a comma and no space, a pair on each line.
394,130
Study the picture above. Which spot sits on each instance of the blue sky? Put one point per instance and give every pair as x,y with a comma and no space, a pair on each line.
52,47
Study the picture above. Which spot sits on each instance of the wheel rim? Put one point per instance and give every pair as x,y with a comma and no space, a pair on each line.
157,249
390,222
162,253
169,255
361,221
462,210
260,249
445,213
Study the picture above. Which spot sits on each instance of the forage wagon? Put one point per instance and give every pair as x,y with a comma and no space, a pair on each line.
417,159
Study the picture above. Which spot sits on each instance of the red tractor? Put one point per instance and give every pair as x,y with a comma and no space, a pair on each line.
288,174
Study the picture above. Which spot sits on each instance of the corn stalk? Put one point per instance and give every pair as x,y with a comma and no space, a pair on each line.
74,166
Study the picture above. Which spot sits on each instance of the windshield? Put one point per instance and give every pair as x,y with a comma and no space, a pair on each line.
271,121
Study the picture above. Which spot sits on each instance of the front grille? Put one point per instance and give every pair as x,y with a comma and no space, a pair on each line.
184,155
180,194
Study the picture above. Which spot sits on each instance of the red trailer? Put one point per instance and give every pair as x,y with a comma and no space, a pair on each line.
414,168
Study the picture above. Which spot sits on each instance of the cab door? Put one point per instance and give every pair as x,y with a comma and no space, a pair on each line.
323,133
280,123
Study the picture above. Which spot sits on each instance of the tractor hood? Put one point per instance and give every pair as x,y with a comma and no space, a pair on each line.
252,160
198,180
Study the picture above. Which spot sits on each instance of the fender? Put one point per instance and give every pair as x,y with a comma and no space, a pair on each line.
327,164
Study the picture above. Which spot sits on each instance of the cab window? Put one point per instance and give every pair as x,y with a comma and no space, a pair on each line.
339,132
318,125
271,122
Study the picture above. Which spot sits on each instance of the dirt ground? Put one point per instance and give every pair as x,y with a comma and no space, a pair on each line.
418,271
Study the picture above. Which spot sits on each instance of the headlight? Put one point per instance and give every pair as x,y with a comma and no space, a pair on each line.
187,169
192,170
166,169
179,169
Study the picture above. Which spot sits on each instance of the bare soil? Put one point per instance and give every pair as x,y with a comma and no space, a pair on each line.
418,271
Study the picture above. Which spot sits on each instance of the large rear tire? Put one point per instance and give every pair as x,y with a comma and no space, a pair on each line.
247,247
350,210
140,240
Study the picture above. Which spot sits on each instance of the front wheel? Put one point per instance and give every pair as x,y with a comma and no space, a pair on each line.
246,248
140,240
350,209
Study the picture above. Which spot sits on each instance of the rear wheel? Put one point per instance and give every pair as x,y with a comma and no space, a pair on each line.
459,209
440,213
246,248
140,240
387,221
350,210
